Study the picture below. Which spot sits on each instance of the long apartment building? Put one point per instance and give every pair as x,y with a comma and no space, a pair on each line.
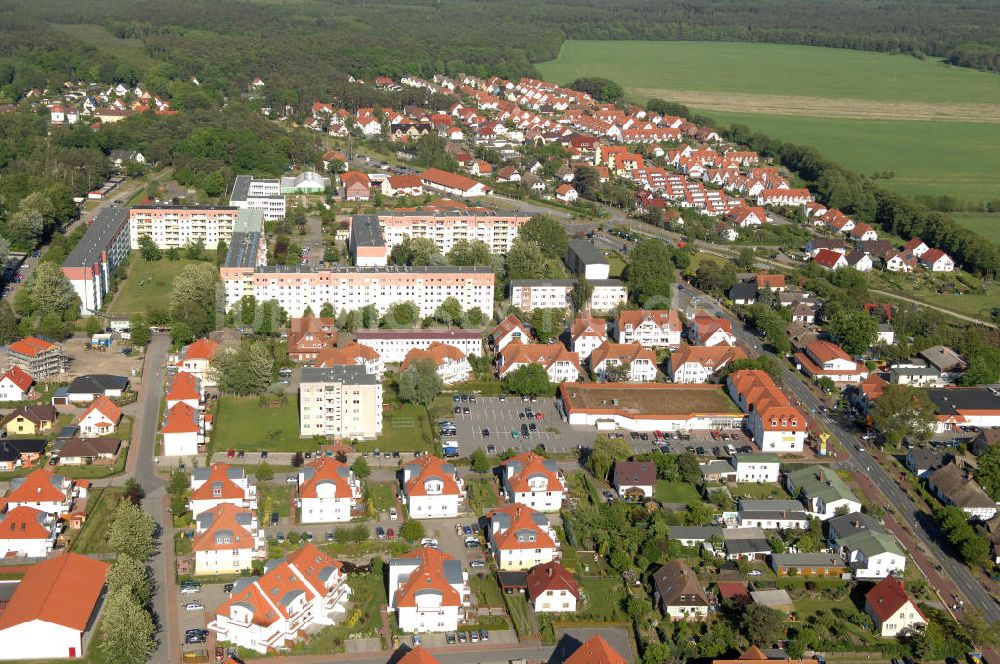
250,193
297,288
340,401
94,259
374,236
177,226
529,294
394,345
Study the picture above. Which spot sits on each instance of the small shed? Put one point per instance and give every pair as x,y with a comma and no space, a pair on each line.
513,582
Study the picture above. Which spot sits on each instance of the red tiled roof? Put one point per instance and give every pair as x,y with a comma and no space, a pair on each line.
431,467
428,576
438,352
544,354
448,180
224,520
509,324
105,407
595,651
887,597
218,474
825,351
828,258
418,656
24,523
624,353
184,386
30,346
660,317
181,418
37,488
521,519
707,356
202,349
531,464
351,178
326,471
351,354
21,378
585,325
62,590
551,576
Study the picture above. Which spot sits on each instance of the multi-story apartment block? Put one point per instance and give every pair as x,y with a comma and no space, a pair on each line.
428,589
250,193
696,364
432,488
177,226
304,590
776,425
623,363
96,256
586,334
394,345
342,401
530,294
652,328
388,229
559,363
38,357
299,288
521,538
452,364
227,539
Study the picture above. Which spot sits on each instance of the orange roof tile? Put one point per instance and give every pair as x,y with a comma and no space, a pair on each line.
624,353
181,418
183,387
202,349
448,180
224,533
21,378
544,354
30,346
595,651
438,352
37,487
887,597
62,590
522,519
428,576
218,476
351,354
509,324
105,407
713,357
659,317
551,576
24,523
327,471
587,326
418,656
427,468
531,465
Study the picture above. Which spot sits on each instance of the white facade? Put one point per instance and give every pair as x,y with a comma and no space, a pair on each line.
528,295
181,444
432,489
327,494
393,345
877,566
221,483
530,480
429,590
253,194
40,639
649,331
750,468
177,227
9,391
344,401
641,370
556,601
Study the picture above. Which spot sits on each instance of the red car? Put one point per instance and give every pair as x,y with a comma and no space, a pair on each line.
716,435
230,454
539,416
390,534
219,654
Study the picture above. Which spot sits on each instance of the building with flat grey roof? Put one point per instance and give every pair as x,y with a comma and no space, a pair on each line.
586,260
250,193
95,257
367,243
340,402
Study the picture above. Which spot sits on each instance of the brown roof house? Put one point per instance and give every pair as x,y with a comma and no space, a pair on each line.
679,593
634,480
954,485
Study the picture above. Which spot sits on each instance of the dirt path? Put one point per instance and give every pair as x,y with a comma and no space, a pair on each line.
823,107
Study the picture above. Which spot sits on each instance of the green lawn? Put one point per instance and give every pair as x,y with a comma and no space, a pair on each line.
520,614
381,495
486,589
405,428
274,497
807,607
100,506
957,158
482,494
923,286
758,491
604,597
791,70
147,284
987,225
617,264
676,492
241,424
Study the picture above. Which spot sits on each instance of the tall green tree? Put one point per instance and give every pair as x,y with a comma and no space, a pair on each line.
127,630
8,323
469,252
580,295
131,531
51,291
855,330
525,260
548,324
193,297
132,576
420,382
528,380
245,369
417,251
547,233
650,274
904,412
401,315
139,331
605,453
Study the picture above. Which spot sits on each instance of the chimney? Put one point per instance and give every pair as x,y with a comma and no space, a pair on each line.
549,571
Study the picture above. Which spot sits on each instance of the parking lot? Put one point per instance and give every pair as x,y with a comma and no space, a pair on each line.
505,416
210,596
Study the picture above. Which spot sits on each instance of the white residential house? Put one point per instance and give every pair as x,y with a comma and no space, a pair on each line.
16,385
534,481
760,468
872,554
432,488
328,491
586,334
27,532
452,364
43,491
697,364
226,540
182,431
608,357
634,481
552,589
521,538
429,591
100,418
510,330
660,328
936,260
311,591
822,491
560,364
221,483
892,610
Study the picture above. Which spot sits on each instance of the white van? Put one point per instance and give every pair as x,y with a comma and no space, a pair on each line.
730,450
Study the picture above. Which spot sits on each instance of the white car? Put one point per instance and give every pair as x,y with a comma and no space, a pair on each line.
392,514
429,541
755,572
194,606
190,590
476,564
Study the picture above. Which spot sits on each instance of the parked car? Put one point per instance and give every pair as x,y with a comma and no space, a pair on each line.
491,449
392,513
190,588
450,638
484,635
194,606
429,541
391,534
379,532
477,564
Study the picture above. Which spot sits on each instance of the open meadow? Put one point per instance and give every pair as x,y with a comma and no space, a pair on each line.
934,126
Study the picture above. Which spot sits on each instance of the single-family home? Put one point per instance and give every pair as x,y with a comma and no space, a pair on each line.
950,365
328,491
432,488
226,540
27,532
595,651
185,388
953,484
221,483
42,490
586,334
16,385
872,554
29,420
510,330
429,590
18,452
743,293
533,480
181,430
634,480
822,491
772,514
936,260
923,460
678,593
708,330
304,590
101,418
892,609
825,359
521,538
915,247
566,193
553,589
195,359
829,259
356,185
451,363
53,610
745,543
623,363
308,336
88,451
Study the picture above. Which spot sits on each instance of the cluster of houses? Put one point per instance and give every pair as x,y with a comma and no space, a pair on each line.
865,255
94,103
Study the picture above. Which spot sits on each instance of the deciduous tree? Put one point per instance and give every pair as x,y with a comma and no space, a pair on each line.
904,411
529,380
650,274
420,383
127,630
547,233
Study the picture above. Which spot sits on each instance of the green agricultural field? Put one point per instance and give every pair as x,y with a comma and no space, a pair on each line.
987,225
933,125
957,158
771,69
148,284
